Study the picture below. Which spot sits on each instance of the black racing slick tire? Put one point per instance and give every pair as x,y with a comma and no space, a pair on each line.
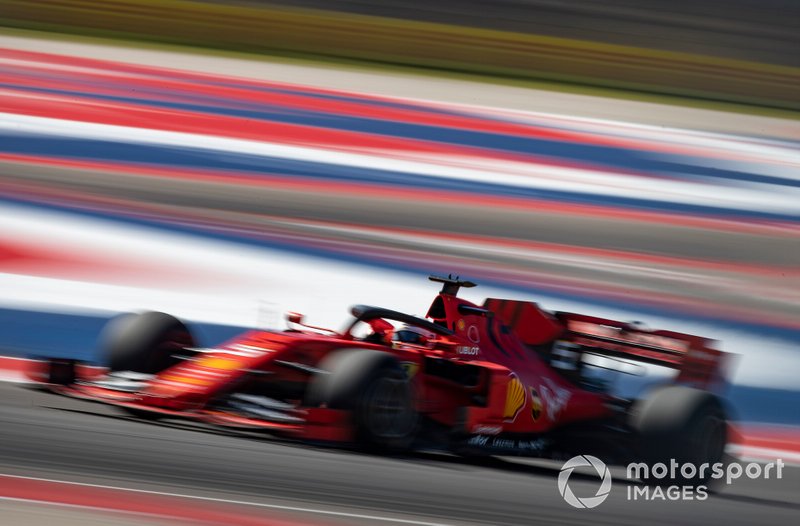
683,424
374,386
145,343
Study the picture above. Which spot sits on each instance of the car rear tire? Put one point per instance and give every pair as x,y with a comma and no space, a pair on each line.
374,386
681,423
145,343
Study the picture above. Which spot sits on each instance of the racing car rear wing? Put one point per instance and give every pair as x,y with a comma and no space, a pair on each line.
697,359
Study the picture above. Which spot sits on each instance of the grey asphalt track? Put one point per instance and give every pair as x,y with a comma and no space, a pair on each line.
54,437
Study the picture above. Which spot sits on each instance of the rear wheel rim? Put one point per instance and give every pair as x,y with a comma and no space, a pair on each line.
709,439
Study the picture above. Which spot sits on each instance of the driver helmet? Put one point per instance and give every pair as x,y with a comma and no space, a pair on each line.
410,334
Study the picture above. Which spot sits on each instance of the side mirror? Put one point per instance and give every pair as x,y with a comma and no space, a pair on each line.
295,317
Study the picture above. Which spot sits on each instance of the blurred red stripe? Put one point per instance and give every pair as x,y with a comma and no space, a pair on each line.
140,503
37,257
770,437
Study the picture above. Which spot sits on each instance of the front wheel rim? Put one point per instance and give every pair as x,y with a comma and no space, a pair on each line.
389,414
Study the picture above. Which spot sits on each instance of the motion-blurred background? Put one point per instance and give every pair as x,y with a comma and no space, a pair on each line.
721,50
226,161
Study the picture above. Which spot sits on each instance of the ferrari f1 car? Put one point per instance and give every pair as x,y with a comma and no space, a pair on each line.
506,377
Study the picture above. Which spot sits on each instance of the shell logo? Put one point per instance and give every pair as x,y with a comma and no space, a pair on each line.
515,399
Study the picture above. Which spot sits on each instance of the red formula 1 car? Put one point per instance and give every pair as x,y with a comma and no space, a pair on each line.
506,377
